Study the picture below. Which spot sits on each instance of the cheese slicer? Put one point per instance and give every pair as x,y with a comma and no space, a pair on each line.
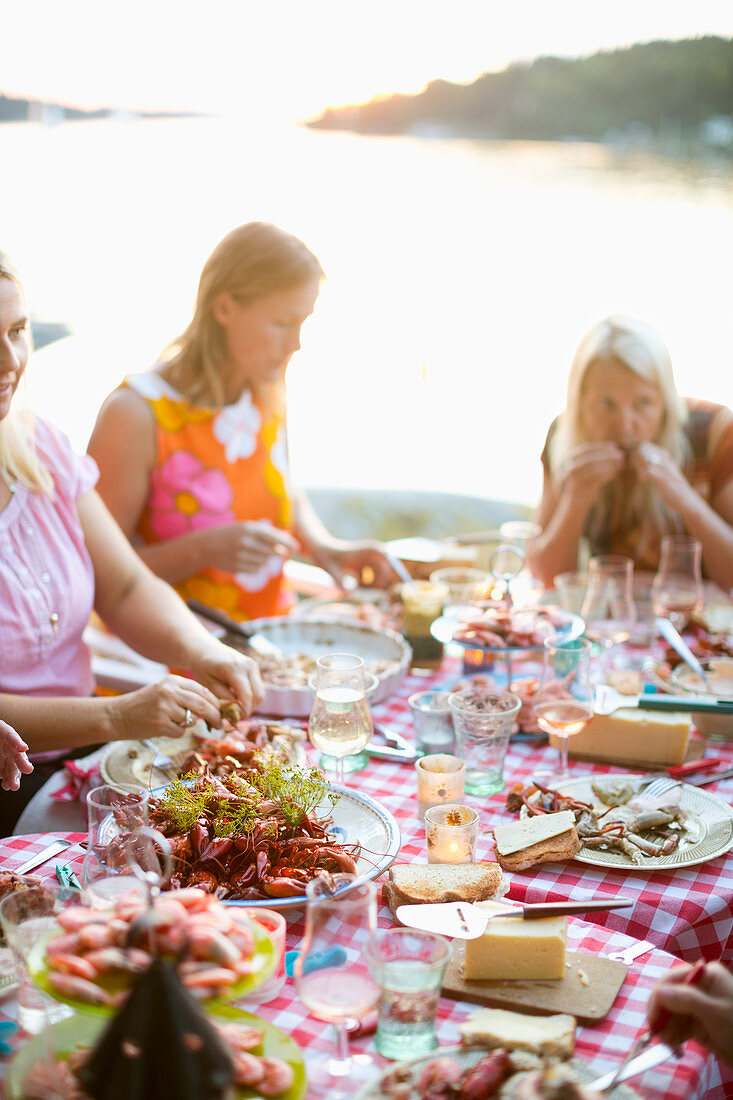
463,920
607,700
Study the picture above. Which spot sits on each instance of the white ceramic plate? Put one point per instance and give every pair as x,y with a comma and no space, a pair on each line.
131,762
710,815
467,1057
314,638
572,626
357,818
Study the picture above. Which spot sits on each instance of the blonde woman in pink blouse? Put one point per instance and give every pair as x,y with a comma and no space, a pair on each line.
62,555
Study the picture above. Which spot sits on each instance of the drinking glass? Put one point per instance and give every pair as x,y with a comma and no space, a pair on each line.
338,913
409,966
608,608
114,812
340,722
677,589
483,721
563,703
28,918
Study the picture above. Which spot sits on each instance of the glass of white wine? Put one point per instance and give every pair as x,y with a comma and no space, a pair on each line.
563,703
608,608
677,591
340,722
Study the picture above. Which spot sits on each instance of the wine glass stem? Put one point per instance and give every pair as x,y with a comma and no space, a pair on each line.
342,1041
563,755
606,664
340,769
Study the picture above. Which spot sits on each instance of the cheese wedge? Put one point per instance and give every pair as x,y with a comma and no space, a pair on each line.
497,1027
515,949
531,830
630,735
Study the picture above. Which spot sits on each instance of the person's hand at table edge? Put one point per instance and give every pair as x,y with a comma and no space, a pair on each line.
703,1012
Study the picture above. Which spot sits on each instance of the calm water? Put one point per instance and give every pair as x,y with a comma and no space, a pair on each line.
461,275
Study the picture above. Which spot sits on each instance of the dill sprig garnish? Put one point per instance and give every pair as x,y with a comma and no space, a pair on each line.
296,791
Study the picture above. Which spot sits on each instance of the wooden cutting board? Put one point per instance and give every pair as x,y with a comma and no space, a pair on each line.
588,1003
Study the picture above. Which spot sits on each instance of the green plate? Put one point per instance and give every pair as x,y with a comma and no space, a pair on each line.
264,961
85,1029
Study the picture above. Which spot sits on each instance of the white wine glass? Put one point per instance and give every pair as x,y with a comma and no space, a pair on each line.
341,722
608,607
677,590
563,703
340,918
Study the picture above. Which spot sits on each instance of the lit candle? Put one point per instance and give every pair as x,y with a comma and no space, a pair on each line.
451,832
440,779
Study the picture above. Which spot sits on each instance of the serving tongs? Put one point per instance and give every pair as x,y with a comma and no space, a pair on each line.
255,639
397,748
463,920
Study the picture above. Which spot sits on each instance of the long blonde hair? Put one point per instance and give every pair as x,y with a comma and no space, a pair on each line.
632,503
19,460
252,261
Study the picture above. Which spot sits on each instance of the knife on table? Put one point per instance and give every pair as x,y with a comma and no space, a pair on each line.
43,856
465,921
652,1056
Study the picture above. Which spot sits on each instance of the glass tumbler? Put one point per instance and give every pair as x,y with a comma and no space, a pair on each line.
28,919
113,813
409,967
432,721
483,721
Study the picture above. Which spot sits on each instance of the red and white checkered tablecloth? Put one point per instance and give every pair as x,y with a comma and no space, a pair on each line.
696,1076
684,913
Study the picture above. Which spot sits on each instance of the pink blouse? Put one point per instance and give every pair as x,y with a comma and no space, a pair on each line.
47,578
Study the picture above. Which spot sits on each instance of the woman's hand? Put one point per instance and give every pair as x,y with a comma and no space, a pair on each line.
703,1012
656,465
14,761
364,560
229,674
165,709
590,466
245,547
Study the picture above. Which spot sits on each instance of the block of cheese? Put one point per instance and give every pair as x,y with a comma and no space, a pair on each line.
630,735
543,1035
515,949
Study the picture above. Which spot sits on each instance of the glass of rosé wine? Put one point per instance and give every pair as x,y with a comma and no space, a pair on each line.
563,703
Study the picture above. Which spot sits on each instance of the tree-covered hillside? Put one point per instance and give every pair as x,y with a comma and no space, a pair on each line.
667,87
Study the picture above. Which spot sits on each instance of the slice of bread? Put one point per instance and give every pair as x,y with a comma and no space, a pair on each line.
552,1036
423,883
547,838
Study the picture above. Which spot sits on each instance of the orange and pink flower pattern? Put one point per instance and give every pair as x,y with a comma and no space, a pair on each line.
216,467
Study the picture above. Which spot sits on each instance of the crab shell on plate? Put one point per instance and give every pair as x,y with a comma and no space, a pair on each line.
385,652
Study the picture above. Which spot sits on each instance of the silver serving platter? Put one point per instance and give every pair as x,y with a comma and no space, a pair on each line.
314,638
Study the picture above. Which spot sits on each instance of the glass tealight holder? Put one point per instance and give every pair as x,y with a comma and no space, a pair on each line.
451,832
440,779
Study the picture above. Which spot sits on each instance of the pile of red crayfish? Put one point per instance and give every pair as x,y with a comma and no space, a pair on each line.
232,842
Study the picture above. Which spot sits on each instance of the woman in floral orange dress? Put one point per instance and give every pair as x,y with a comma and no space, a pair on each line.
193,453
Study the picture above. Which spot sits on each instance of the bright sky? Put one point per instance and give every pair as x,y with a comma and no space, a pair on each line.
293,57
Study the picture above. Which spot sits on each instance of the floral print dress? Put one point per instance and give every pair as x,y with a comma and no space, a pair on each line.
215,467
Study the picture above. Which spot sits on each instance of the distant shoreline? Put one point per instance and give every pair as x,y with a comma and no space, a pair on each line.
19,109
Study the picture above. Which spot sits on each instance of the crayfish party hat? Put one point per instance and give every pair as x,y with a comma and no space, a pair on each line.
159,1045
